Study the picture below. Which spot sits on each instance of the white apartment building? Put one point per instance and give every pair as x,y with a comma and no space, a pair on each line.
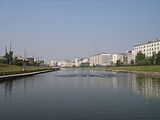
125,58
148,48
102,59
61,63
79,61
117,56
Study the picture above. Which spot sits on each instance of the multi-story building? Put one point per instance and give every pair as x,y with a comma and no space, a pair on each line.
148,48
102,59
125,58
79,61
65,63
117,56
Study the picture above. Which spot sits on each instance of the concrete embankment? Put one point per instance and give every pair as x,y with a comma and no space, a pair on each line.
4,77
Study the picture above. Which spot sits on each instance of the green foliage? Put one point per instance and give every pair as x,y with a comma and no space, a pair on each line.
84,65
153,60
2,61
158,58
119,63
9,57
13,69
16,62
149,68
132,62
140,58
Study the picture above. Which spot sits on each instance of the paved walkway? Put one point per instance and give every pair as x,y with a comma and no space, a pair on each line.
23,74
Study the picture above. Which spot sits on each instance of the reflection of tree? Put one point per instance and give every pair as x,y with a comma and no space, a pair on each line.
149,87
13,84
8,89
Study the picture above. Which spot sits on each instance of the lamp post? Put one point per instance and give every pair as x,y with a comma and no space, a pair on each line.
23,65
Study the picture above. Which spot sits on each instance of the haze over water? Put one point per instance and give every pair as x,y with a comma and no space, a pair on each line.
80,95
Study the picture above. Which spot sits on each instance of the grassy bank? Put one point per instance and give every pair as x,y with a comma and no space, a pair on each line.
7,70
151,68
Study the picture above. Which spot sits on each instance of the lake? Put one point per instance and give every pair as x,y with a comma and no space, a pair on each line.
80,95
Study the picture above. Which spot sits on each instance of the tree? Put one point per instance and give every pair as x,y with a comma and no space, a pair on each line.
152,59
84,65
16,62
140,59
9,57
2,61
132,62
158,58
118,63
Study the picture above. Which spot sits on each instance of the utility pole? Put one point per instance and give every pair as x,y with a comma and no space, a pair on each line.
10,54
24,60
6,49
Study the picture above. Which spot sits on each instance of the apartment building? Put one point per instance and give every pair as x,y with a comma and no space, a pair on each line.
125,58
79,61
101,59
148,48
117,56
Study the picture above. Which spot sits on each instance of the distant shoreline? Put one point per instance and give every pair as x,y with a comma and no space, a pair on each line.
136,72
152,70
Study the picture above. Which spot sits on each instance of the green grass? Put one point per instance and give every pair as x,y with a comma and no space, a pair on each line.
12,69
150,68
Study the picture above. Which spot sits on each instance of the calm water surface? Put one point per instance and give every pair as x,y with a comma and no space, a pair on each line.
80,95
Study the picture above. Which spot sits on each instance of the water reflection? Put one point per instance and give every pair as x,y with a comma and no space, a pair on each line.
137,85
81,94
9,87
149,88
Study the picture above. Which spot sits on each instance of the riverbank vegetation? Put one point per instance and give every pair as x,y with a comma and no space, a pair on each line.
149,68
13,69
141,59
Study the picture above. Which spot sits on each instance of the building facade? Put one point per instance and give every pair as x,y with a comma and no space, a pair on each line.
80,61
148,48
102,59
117,56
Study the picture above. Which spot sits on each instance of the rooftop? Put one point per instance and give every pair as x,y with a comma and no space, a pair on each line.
157,40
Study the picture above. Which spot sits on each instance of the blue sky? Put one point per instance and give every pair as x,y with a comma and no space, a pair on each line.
65,29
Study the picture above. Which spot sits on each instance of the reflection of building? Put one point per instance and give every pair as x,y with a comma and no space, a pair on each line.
139,85
102,59
149,88
148,48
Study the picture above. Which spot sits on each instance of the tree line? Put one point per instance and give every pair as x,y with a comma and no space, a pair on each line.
142,59
10,60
